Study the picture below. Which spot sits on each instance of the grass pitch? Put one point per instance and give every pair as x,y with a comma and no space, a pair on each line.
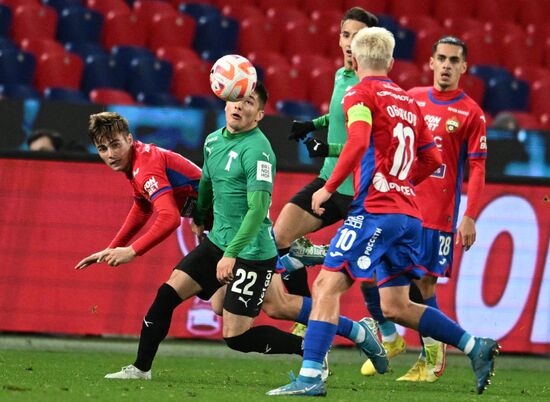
54,369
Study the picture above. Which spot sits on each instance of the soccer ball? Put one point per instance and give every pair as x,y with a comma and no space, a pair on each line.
233,78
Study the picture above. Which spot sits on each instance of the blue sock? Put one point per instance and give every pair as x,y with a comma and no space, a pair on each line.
372,299
303,317
432,302
319,337
437,325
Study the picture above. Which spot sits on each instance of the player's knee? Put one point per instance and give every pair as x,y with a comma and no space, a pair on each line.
391,312
272,308
240,343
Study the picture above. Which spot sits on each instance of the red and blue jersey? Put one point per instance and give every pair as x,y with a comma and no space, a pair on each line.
458,127
386,124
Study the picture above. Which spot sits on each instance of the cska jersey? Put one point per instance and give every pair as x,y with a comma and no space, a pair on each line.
397,132
238,164
458,126
156,171
343,80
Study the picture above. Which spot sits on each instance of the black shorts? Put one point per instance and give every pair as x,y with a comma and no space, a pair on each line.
245,293
336,208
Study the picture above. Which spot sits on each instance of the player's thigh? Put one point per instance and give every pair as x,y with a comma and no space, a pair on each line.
278,303
331,284
394,299
294,222
183,284
235,324
217,300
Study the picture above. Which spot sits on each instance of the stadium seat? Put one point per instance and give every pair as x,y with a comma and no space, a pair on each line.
158,99
320,86
285,83
303,37
102,71
171,30
258,34
300,110
33,21
13,4
531,73
474,87
222,3
527,121
205,102
6,43
374,6
483,47
85,49
418,23
216,37
540,101
405,43
65,95
506,95
16,67
18,91
489,72
535,12
191,79
178,55
107,96
265,5
5,20
425,38
146,10
522,49
442,9
502,29
327,18
149,76
282,15
388,22
241,11
58,70
458,25
124,55
79,24
405,74
38,47
200,10
104,7
122,29
267,59
397,8
309,6
59,5
489,10
306,62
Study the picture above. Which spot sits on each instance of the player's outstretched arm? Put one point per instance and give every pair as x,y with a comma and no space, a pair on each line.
91,259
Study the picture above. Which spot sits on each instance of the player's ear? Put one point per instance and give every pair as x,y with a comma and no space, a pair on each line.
354,64
431,63
130,138
260,115
464,67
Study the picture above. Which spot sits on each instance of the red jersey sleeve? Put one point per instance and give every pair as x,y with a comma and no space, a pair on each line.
477,136
137,218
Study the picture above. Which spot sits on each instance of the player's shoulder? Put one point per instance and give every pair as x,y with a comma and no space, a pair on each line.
419,91
471,104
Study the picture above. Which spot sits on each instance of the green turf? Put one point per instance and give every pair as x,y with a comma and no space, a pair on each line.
52,369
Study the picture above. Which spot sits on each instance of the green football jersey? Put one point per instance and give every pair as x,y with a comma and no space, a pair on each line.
336,122
237,164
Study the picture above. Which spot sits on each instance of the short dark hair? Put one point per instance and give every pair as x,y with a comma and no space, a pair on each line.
261,91
54,136
361,15
106,125
451,40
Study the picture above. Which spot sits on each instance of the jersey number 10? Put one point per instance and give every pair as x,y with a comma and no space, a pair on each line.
404,155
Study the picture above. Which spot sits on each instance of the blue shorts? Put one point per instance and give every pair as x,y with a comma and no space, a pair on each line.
437,252
377,247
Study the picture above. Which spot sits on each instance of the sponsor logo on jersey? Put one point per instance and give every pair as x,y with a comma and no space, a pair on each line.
354,221
135,172
432,121
421,103
147,148
263,171
266,155
211,139
380,183
401,97
455,110
264,288
452,125
483,143
363,262
151,186
440,172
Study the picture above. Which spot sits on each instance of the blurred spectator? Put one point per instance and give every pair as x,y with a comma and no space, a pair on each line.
45,140
505,121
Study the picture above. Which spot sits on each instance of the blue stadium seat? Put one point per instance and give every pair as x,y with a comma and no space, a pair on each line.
205,102
102,71
16,67
65,95
490,73
125,54
79,24
388,22
149,76
158,99
5,20
6,43
301,110
59,5
405,44
506,94
17,91
85,49
200,10
215,37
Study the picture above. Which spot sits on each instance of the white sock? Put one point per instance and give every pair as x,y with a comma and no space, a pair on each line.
469,345
389,338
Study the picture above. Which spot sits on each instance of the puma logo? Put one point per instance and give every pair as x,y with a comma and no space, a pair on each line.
266,155
267,348
316,146
245,302
147,323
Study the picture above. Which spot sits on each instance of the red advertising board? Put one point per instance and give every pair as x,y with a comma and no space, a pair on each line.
55,213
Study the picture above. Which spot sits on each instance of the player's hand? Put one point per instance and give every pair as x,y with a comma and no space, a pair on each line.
466,232
316,148
319,198
300,129
91,259
116,256
224,270
198,230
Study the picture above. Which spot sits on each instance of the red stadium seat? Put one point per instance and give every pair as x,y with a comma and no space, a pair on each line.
474,87
332,38
418,23
539,99
501,29
303,37
122,29
425,38
398,8
59,71
104,7
321,84
242,11
405,74
191,80
171,30
527,121
267,4
280,17
483,47
33,21
457,26
146,10
520,50
13,4
531,73
38,47
285,83
374,6
317,5
495,10
442,9
327,18
222,3
108,96
178,55
306,62
258,33
532,12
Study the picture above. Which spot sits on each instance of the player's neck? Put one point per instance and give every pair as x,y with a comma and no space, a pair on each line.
371,73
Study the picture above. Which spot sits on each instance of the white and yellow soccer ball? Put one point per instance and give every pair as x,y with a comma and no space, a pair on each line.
233,78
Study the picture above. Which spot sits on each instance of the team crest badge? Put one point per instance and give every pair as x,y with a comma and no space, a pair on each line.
452,125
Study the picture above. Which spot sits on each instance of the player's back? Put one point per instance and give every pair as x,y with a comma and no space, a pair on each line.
382,182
